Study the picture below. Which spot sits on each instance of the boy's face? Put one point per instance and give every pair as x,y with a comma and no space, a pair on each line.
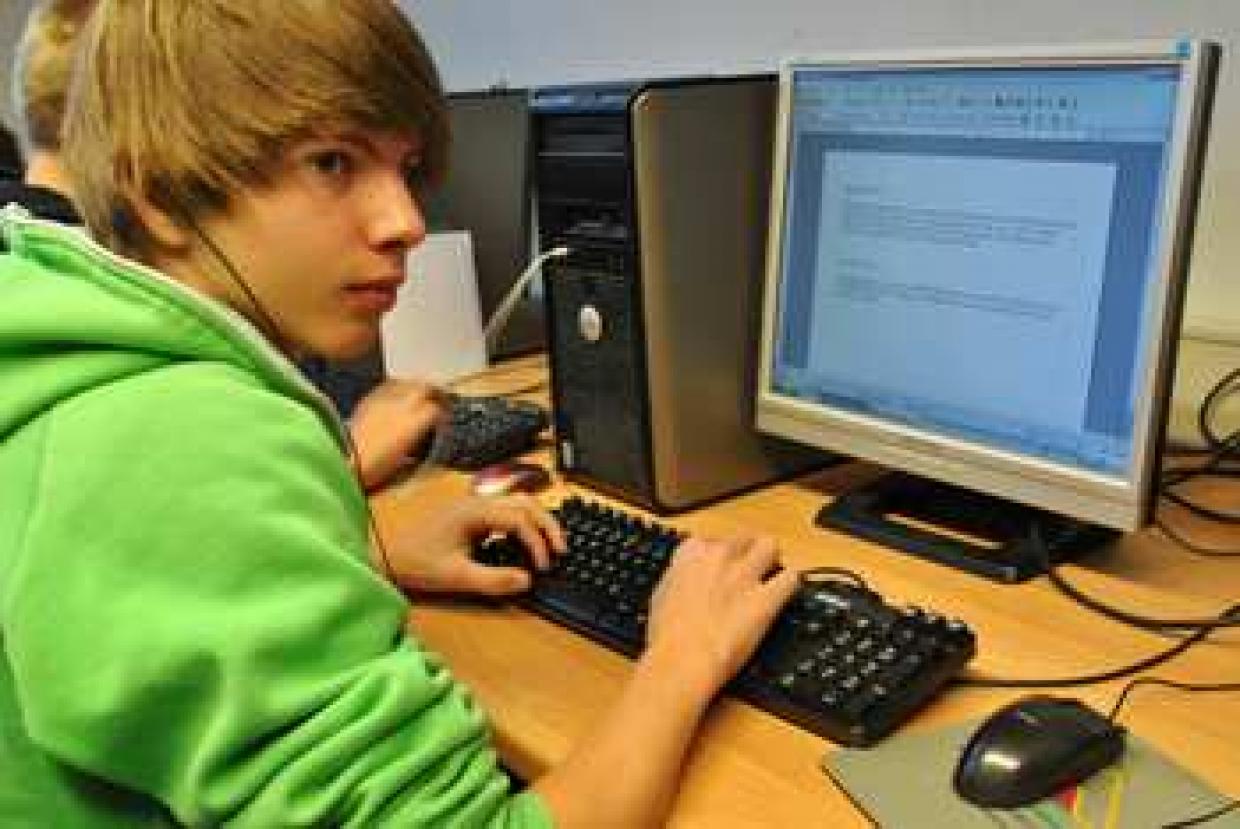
323,247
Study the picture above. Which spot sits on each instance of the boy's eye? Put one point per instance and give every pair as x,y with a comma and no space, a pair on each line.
330,162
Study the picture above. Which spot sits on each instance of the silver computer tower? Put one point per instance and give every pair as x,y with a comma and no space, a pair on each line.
661,192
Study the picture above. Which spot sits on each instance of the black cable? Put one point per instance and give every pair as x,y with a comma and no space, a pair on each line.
1157,659
1192,546
356,460
1206,818
822,575
1175,477
277,341
1201,628
1194,687
1229,618
1222,461
1202,510
1218,456
1181,686
842,787
1222,453
273,330
1181,450
1216,394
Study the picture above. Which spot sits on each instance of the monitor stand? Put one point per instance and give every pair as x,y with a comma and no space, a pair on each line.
979,533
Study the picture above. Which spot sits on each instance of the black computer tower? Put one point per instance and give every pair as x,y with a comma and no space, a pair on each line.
660,191
488,193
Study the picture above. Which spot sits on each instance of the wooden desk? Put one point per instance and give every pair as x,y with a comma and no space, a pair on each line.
544,686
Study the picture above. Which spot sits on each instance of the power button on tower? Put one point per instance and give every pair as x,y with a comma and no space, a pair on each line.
590,324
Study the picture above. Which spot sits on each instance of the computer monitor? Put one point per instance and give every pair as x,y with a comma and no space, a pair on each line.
488,193
975,273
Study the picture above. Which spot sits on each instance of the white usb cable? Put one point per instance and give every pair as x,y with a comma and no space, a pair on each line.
495,325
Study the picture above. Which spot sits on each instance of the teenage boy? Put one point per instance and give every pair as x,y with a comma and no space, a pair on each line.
387,422
197,627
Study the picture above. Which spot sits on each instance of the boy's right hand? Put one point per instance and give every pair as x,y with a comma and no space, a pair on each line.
436,555
713,606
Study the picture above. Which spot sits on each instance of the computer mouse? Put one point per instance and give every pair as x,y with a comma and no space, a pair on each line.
1034,748
508,477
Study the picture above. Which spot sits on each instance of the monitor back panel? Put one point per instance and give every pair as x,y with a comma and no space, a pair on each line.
487,193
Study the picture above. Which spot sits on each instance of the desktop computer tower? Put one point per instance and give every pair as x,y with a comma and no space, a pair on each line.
660,191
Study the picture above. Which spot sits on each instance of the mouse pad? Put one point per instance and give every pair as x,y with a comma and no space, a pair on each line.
905,783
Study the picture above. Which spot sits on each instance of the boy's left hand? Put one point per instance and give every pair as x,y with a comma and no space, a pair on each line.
389,422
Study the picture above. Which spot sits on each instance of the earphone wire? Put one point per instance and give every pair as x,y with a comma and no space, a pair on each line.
267,321
277,340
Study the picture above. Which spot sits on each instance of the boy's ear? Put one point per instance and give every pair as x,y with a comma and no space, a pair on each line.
159,226
163,229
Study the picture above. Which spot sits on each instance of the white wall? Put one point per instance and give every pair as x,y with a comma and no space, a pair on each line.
480,43
12,19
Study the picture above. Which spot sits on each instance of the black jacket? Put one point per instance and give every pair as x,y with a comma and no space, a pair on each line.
42,202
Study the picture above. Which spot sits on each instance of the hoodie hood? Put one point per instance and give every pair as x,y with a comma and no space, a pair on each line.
75,316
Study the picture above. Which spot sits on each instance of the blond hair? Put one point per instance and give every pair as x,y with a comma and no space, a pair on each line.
183,103
43,68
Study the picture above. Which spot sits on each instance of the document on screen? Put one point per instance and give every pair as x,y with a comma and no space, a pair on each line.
990,263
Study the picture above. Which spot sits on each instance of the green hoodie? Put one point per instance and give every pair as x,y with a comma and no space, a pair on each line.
191,629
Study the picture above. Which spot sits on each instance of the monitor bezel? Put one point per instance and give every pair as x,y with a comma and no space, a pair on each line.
1122,502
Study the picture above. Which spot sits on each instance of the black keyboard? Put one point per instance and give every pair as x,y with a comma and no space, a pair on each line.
482,430
839,661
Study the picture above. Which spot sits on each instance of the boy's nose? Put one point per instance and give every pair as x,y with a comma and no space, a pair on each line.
398,219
